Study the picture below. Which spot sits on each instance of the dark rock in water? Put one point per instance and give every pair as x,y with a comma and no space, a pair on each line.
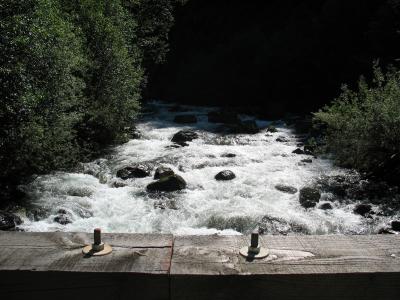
298,151
183,136
9,221
137,171
286,189
174,146
62,219
395,225
307,161
118,184
246,127
62,211
167,184
136,135
37,214
325,206
362,209
282,139
309,197
185,119
226,117
163,172
225,175
272,129
228,155
386,230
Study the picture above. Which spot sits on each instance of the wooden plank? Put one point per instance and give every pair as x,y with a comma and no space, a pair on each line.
299,267
52,266
132,253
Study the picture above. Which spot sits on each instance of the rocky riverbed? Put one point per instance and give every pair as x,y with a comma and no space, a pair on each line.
196,170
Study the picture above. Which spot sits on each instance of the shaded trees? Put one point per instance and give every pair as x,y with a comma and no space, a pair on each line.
71,75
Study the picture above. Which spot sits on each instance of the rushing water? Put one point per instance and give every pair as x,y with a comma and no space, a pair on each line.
207,206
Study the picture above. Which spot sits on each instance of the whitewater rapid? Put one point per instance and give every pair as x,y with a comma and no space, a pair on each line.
206,206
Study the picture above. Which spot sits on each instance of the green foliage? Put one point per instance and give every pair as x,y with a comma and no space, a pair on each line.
71,75
363,126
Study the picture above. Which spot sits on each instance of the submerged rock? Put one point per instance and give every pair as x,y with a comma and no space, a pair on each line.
137,171
309,197
228,155
273,225
226,117
167,184
225,175
272,129
325,206
185,119
9,221
62,219
307,161
286,188
298,151
37,214
362,209
118,184
282,139
163,172
183,136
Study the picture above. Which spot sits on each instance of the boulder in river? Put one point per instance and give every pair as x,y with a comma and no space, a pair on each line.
183,136
298,151
362,209
9,221
325,206
286,188
272,129
163,172
225,175
185,119
395,225
167,184
62,219
282,139
309,197
136,171
226,117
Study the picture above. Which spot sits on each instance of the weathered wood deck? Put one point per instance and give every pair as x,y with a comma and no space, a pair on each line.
51,266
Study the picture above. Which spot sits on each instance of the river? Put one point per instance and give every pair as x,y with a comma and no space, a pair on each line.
90,199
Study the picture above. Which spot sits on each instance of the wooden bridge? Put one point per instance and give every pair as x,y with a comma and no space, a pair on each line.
142,266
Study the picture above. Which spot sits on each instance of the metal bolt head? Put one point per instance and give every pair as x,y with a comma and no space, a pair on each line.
254,239
97,236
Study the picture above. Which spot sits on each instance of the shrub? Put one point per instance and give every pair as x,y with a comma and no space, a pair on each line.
363,126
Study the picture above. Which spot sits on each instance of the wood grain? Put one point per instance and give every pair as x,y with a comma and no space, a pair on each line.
51,265
299,267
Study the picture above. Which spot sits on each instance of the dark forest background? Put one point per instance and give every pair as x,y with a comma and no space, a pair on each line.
282,55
